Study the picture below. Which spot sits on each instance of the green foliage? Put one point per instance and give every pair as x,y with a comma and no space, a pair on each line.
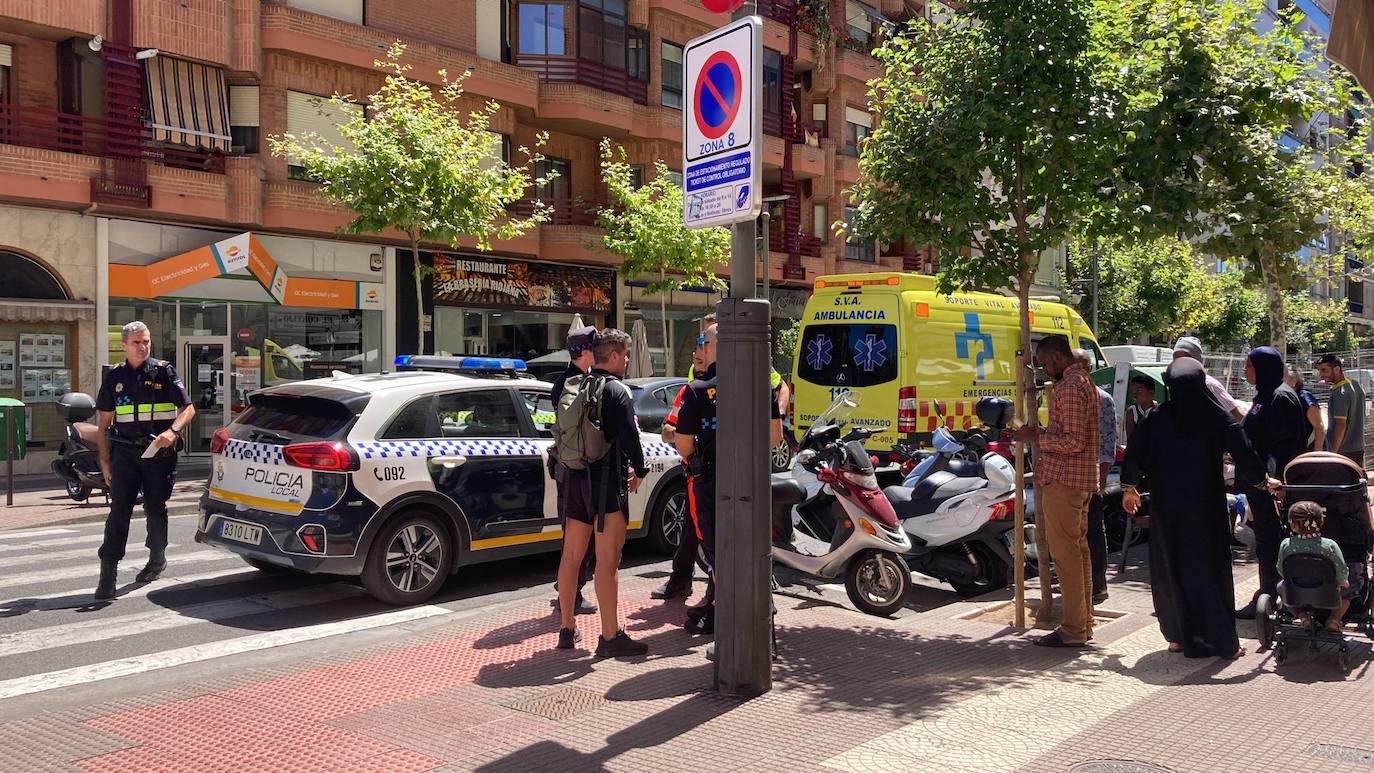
785,347
1161,289
1311,323
644,226
414,164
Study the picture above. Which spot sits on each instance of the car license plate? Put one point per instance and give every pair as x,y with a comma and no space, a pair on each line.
240,532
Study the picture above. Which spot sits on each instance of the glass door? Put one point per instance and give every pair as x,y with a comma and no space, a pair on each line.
202,363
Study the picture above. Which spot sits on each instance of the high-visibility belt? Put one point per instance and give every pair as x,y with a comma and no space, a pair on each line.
148,412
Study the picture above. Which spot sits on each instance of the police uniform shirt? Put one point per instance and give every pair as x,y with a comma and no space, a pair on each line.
144,400
697,414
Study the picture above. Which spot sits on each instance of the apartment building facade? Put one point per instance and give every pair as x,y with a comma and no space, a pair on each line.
136,180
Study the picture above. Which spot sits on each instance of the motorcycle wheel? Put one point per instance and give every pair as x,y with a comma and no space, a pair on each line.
877,582
78,492
993,574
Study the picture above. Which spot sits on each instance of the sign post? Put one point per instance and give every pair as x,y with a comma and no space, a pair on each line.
722,132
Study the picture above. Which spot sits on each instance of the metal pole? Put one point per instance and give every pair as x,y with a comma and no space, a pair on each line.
766,249
9,456
1095,262
743,562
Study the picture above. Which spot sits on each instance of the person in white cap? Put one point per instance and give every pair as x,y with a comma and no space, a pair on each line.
1189,346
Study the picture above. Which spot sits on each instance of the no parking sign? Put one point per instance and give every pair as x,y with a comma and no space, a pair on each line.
723,125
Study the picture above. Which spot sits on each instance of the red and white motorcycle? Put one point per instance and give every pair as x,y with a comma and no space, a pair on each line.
845,525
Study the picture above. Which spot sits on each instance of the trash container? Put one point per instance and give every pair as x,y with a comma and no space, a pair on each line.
14,424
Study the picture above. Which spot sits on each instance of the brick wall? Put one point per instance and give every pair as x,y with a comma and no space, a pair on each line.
190,29
442,22
79,17
34,75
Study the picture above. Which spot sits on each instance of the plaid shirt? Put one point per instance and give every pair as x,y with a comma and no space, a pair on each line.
1068,449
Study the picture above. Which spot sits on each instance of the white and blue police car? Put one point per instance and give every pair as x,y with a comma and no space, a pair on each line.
403,478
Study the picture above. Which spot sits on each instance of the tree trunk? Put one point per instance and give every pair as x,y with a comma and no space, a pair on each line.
419,293
667,340
1278,327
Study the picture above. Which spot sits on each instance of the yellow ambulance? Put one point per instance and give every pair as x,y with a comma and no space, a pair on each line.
913,354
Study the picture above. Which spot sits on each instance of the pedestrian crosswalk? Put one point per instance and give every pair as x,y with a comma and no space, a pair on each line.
208,605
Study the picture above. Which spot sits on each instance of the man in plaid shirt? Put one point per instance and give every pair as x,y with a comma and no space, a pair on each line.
1066,465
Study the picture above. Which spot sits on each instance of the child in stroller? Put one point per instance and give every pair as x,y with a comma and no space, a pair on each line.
1331,587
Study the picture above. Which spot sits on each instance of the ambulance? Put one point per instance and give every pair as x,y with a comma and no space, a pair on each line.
915,355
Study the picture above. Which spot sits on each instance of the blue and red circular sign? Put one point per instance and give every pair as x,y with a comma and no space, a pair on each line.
718,97
722,6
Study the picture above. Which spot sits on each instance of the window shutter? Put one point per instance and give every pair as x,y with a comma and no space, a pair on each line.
243,106
6,56
307,113
489,29
818,111
348,10
495,152
859,117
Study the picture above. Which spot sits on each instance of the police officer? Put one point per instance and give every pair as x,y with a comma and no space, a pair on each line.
141,403
696,443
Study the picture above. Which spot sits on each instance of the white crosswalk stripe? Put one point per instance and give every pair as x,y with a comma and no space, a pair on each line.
51,557
7,548
23,534
108,628
21,579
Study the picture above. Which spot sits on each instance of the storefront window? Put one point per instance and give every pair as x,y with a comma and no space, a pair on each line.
159,316
683,327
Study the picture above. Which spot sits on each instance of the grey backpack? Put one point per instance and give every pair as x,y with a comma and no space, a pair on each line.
578,437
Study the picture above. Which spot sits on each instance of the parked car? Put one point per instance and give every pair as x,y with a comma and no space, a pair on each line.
654,399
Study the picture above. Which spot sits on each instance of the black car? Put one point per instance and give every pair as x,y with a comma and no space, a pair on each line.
654,399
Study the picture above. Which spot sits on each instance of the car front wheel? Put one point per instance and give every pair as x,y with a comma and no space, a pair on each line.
669,519
409,561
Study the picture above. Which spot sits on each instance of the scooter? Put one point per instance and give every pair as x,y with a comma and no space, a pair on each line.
960,525
77,462
847,526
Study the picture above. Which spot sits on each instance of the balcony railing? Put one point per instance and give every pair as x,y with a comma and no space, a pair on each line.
565,211
571,69
67,133
784,11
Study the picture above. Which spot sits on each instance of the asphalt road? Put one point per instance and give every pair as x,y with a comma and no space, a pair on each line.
211,612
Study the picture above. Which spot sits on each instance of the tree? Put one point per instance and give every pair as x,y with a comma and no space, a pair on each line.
411,161
644,227
1261,175
785,347
1312,324
1000,130
1161,289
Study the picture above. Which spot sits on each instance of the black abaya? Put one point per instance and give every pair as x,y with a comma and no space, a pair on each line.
1190,532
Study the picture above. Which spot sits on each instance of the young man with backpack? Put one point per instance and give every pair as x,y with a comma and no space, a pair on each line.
596,438
580,361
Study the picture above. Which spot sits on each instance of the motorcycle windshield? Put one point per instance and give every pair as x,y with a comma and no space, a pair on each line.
837,414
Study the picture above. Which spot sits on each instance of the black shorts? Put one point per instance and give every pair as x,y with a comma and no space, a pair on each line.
581,495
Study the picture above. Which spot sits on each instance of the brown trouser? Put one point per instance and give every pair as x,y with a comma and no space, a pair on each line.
1066,524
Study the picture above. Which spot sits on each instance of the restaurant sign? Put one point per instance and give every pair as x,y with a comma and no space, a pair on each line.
482,281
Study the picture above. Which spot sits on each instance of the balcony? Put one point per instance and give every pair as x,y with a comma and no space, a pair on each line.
83,135
575,212
784,11
571,69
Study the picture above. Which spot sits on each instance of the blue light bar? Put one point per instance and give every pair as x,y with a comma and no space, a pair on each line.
436,362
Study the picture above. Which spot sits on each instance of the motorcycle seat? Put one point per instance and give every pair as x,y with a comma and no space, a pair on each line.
786,489
927,496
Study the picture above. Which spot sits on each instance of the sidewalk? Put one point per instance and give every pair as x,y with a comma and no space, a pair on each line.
52,507
851,692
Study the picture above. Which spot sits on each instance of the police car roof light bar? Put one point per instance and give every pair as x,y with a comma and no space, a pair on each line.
437,362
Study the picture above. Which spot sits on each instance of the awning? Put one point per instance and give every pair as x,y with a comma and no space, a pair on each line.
46,311
1351,42
187,103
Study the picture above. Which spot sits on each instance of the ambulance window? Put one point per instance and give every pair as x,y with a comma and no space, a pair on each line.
848,355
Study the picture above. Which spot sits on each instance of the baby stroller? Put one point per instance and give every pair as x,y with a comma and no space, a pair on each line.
1310,584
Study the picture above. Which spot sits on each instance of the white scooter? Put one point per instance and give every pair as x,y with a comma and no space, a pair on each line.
844,525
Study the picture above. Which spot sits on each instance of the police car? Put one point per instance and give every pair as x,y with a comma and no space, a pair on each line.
404,478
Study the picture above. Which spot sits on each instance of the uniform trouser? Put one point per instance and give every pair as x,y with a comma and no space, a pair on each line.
1269,534
702,501
1066,524
588,568
1097,543
685,557
130,474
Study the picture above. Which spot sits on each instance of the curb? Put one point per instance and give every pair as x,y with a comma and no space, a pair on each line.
99,515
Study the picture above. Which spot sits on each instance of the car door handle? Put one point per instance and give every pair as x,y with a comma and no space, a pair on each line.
449,462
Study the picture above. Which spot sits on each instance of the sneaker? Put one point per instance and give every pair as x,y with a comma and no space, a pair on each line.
621,646
670,591
703,624
567,637
584,607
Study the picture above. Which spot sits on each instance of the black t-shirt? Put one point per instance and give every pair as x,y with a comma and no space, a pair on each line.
697,414
144,400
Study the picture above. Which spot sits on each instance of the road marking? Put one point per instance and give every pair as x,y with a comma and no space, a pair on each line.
89,539
20,579
65,600
141,664
25,534
105,629
41,557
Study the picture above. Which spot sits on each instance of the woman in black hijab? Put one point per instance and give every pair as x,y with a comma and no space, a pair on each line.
1277,428
1180,448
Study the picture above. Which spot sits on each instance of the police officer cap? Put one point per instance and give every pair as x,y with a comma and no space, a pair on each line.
581,339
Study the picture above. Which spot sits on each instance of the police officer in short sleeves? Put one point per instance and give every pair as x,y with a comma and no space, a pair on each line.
142,402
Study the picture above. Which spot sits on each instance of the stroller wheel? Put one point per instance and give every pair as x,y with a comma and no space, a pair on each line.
1264,620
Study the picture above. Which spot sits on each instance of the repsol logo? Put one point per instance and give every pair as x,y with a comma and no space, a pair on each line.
282,482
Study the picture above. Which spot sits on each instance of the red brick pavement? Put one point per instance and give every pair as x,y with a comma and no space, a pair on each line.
489,693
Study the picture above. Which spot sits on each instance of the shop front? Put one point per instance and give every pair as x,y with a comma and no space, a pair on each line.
240,312
505,308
